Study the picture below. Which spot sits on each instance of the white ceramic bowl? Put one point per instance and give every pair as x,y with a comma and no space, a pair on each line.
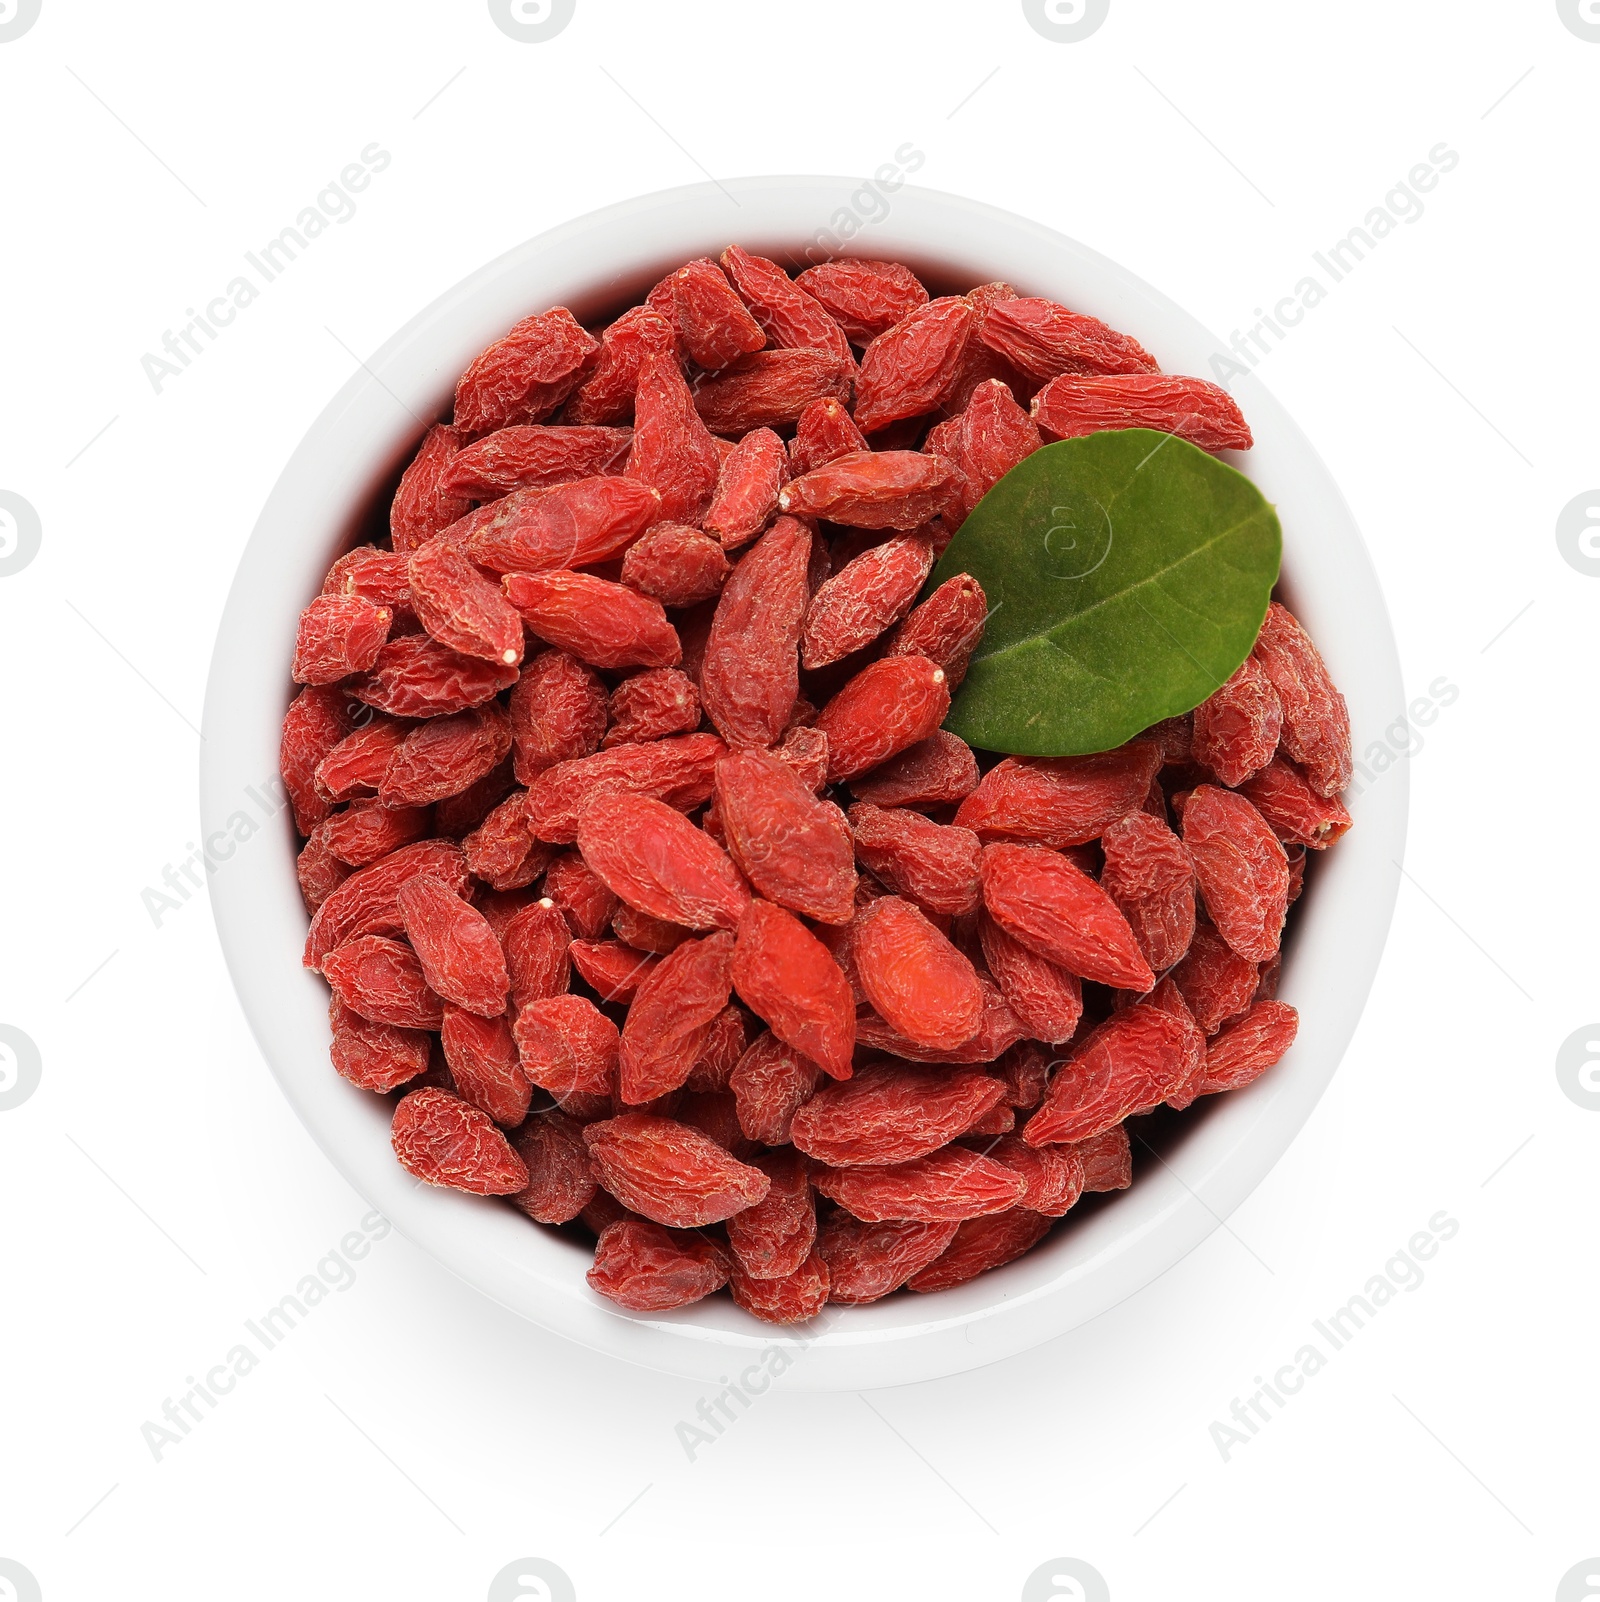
331,489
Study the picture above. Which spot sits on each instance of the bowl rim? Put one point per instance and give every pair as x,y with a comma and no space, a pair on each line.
329,486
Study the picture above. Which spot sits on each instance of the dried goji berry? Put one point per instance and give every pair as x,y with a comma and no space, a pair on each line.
754,472
981,1244
790,1300
791,318
865,298
355,767
1316,721
940,769
585,903
318,719
560,1181
1247,1048
932,864
1131,1063
769,390
503,850
318,870
1215,982
1149,875
373,575
750,675
877,489
672,448
604,624
769,1083
1060,801
993,435
675,565
375,1056
866,1262
606,395
652,705
1242,869
441,1139
382,980
911,369
806,751
613,969
535,941
947,1185
416,677
365,832
1052,1176
574,525
525,464
999,1028
484,1066
1024,1070
1045,996
1107,1160
657,861
795,849
787,977
825,431
525,376
672,1013
677,770
557,711
1058,911
889,705
567,1046
443,756
1236,730
645,933
712,1113
1045,340
460,956
648,1269
669,1173
915,979
719,1056
891,1113
865,597
365,903
1283,795
946,628
338,635
713,323
422,505
1193,409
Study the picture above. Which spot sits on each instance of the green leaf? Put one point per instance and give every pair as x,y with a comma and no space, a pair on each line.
1127,574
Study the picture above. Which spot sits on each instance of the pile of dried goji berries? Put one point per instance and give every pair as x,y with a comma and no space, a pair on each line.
625,793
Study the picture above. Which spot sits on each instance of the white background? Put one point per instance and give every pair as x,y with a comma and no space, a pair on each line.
410,1438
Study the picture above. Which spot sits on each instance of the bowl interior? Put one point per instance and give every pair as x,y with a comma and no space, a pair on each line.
1191,1170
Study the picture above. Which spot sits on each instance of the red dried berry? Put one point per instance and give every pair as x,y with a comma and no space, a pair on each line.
671,1016
1215,982
585,903
443,756
382,980
867,1262
366,902
750,675
912,368
753,474
1052,1176
946,628
669,1173
318,719
652,705
676,770
355,767
484,1066
946,1186
422,504
535,941
877,489
1131,1063
567,1046
1236,730
1242,869
318,870
1060,801
416,677
1047,998
786,976
375,1056
769,1083
1059,912
865,597
1283,795
999,1028
503,850
774,1237
1316,721
461,608
889,705
981,1244
934,771
606,395
657,861
795,849
558,712
933,864
338,635
790,1300
575,525
1150,876
865,298
1045,340
713,324
675,565
891,1113
1193,409
915,979
524,465
1245,1050
644,933
769,390
791,318
366,832
524,377
560,1181
672,448
460,956
614,970
604,624
1024,1070
443,1141
648,1269
1107,1161
719,1056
